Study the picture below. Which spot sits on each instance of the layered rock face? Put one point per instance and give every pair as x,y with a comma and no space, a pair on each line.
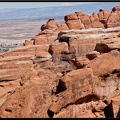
66,71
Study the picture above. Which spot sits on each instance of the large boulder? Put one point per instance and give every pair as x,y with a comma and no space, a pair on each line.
75,24
86,21
50,24
84,110
116,8
80,90
74,75
80,62
27,100
107,45
57,50
95,23
113,20
63,27
70,17
107,63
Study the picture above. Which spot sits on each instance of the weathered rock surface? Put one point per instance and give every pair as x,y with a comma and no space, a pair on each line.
26,50
106,62
70,77
76,92
57,50
107,45
69,70
80,62
92,55
82,110
77,20
83,41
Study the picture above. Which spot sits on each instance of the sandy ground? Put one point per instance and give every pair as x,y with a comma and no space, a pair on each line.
13,33
18,31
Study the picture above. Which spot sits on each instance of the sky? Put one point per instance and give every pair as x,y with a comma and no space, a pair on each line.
4,5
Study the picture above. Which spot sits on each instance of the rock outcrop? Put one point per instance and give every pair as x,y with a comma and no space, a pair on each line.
66,71
77,20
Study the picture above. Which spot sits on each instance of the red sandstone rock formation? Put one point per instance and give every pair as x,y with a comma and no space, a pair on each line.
66,71
76,20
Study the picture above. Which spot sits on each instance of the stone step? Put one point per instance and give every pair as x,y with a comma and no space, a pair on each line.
12,74
15,64
25,50
17,58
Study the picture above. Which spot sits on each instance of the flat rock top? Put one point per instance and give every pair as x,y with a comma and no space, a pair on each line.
91,30
89,33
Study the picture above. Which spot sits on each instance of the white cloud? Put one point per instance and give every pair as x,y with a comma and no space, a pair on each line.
66,4
75,3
